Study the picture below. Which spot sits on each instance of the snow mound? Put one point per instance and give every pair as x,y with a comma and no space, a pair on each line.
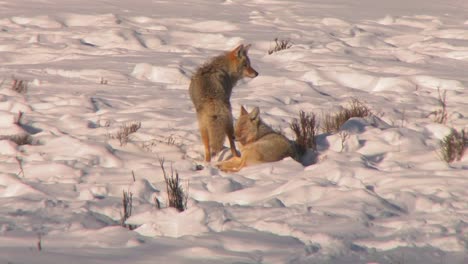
170,75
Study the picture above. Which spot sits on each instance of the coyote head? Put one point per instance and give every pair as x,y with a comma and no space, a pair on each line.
247,126
240,62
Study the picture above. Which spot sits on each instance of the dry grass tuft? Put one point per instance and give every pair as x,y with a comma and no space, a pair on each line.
453,146
332,122
176,196
280,45
305,129
20,140
123,135
19,86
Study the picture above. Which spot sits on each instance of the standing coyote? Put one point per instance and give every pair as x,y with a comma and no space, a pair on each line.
259,142
210,90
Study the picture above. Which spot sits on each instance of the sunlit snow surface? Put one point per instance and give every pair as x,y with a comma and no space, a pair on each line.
381,194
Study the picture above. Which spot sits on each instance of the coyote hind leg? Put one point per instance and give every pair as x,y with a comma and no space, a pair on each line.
230,135
206,142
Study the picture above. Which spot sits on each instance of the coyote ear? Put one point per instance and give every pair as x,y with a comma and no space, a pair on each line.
238,51
243,111
254,114
247,47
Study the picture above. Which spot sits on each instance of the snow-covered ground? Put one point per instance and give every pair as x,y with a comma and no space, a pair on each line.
381,195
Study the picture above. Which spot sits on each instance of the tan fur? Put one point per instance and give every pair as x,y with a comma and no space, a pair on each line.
259,143
210,90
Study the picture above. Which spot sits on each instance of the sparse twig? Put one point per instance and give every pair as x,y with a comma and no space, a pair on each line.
157,203
441,115
171,140
403,117
177,197
39,242
20,165
103,81
18,118
280,45
344,136
133,175
127,204
149,145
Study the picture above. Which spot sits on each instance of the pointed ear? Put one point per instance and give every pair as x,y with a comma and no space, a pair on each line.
247,47
243,111
254,114
238,51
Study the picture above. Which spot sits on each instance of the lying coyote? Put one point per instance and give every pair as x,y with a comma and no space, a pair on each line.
259,143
